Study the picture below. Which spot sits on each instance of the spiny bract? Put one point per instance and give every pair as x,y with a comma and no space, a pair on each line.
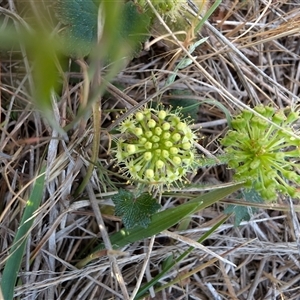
156,147
264,155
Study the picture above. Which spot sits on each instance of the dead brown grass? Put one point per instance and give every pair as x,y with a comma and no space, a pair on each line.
251,57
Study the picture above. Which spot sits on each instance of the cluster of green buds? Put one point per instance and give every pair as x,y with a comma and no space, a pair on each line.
177,15
156,147
265,155
166,8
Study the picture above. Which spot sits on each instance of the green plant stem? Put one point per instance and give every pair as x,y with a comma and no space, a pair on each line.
95,148
14,260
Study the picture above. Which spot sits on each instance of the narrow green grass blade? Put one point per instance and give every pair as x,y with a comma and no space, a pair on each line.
127,236
163,220
13,263
148,285
169,217
208,14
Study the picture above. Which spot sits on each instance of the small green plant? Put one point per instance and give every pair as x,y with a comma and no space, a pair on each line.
265,155
156,147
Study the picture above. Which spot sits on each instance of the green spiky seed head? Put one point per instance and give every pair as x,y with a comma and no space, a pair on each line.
156,148
262,154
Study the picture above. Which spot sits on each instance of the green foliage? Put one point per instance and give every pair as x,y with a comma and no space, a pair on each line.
135,27
163,220
83,17
43,53
134,211
80,20
263,150
45,56
184,62
209,12
16,252
189,107
244,212
222,108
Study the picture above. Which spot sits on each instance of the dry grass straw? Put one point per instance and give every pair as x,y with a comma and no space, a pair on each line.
251,57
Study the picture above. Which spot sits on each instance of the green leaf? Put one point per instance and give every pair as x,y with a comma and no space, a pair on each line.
14,260
80,30
221,107
241,213
46,60
80,19
44,55
251,196
193,47
134,27
189,107
135,212
244,213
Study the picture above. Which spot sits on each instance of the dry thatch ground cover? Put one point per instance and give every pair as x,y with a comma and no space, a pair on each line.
251,57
